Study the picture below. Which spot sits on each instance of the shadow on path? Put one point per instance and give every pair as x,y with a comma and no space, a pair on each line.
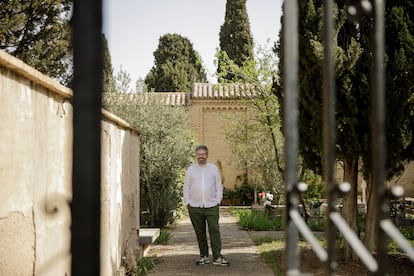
178,257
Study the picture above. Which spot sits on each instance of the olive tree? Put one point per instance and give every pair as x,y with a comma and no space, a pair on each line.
166,149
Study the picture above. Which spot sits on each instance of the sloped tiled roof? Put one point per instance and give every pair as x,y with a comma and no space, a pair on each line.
167,98
222,91
201,91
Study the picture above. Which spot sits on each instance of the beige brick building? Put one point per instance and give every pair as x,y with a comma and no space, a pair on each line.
211,110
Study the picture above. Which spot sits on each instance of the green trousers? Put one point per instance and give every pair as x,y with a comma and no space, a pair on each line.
200,218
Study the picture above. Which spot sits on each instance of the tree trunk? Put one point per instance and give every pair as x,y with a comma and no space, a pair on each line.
305,210
371,230
349,203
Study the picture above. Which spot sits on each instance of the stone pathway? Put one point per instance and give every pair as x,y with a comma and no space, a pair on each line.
178,257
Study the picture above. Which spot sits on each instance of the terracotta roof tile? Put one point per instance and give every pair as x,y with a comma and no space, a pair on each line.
220,91
200,91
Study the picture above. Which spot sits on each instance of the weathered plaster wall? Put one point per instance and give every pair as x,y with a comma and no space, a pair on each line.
120,195
35,177
406,180
35,171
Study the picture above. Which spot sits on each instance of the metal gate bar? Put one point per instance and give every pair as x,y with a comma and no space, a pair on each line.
329,128
386,227
87,85
291,55
378,131
294,221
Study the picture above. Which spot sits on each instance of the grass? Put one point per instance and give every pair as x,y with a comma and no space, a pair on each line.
164,237
272,250
268,248
145,265
316,225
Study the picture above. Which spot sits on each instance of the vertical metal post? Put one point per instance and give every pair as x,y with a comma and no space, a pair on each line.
87,86
378,131
291,56
329,129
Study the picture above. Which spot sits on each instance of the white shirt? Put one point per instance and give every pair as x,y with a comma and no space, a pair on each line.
202,186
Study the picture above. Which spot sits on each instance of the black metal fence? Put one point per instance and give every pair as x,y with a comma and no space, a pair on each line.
335,222
87,27
87,85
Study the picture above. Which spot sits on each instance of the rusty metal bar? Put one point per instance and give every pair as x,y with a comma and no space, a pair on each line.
87,85
329,130
291,66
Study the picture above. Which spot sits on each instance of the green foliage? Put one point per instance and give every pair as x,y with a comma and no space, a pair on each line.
257,221
352,127
236,41
122,81
243,194
353,54
229,193
315,190
107,74
399,44
316,224
166,151
145,265
38,33
164,237
408,233
353,60
246,193
256,140
268,249
177,66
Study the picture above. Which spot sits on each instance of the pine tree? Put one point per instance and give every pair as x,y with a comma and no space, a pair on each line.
107,74
177,66
235,38
38,33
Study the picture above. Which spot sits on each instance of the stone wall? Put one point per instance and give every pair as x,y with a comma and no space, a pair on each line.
406,180
36,177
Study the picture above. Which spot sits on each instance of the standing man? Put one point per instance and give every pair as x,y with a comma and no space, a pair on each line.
203,192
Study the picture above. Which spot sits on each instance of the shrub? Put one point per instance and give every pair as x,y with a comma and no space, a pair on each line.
316,225
408,233
164,237
145,265
257,221
166,150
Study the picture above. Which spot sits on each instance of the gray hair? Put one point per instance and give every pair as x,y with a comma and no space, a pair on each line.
201,147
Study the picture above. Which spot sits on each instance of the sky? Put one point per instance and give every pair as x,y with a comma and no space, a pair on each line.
133,28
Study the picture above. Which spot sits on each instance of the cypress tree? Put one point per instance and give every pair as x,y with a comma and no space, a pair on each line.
177,66
353,58
235,38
